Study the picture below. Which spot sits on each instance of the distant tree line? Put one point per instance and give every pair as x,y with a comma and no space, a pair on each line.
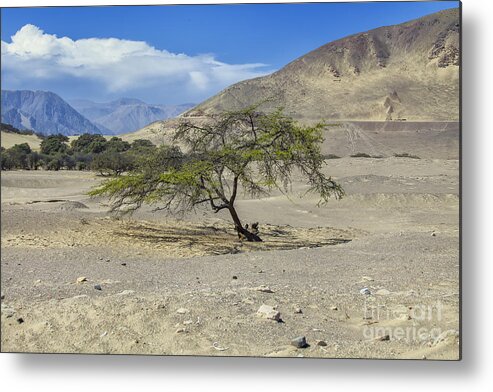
87,152
10,129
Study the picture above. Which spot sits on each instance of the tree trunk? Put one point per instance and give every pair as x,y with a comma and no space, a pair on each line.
240,229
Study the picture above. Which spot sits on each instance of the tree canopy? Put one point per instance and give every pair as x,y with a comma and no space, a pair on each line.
236,151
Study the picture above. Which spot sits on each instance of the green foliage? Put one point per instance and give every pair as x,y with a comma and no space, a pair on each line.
117,144
139,144
16,157
54,144
256,151
111,163
89,144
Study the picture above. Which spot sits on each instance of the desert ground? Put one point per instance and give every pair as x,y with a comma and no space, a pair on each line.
77,280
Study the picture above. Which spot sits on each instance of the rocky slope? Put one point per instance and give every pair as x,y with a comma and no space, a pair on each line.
408,71
44,112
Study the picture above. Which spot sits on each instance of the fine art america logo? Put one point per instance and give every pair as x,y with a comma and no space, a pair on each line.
422,329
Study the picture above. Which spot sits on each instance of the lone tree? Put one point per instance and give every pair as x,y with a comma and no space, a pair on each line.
245,149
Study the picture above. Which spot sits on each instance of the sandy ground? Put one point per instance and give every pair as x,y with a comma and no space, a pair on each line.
9,139
186,285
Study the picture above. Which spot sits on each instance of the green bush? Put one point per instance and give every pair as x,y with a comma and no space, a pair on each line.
111,163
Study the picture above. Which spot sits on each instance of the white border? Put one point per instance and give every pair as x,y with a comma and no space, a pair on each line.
473,373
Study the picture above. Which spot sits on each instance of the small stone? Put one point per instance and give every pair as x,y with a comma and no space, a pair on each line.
98,287
182,311
187,322
299,342
382,338
298,311
125,292
365,291
334,308
124,264
2,296
81,279
433,234
235,277
20,320
264,289
268,312
321,343
7,312
181,330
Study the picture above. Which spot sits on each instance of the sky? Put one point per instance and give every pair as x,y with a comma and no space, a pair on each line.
174,54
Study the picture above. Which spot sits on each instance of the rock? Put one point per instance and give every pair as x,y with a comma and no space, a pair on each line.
182,311
264,289
321,343
20,320
98,287
181,330
367,279
298,311
81,279
235,277
124,264
126,292
2,296
334,308
268,312
299,342
365,291
382,338
8,312
433,234
187,322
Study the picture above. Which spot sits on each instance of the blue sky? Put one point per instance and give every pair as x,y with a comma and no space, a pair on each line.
174,54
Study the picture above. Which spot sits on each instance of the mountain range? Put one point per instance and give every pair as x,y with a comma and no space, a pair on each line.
43,112
126,114
47,113
407,71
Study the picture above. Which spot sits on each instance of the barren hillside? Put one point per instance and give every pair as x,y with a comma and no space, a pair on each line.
408,71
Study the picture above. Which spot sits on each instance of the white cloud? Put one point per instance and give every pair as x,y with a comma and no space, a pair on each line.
118,67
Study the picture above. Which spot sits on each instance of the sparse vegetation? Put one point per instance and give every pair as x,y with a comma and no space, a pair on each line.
406,155
365,155
88,152
111,163
10,129
244,149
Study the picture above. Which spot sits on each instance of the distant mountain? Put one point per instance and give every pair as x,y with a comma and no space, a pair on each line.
407,71
126,114
43,112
